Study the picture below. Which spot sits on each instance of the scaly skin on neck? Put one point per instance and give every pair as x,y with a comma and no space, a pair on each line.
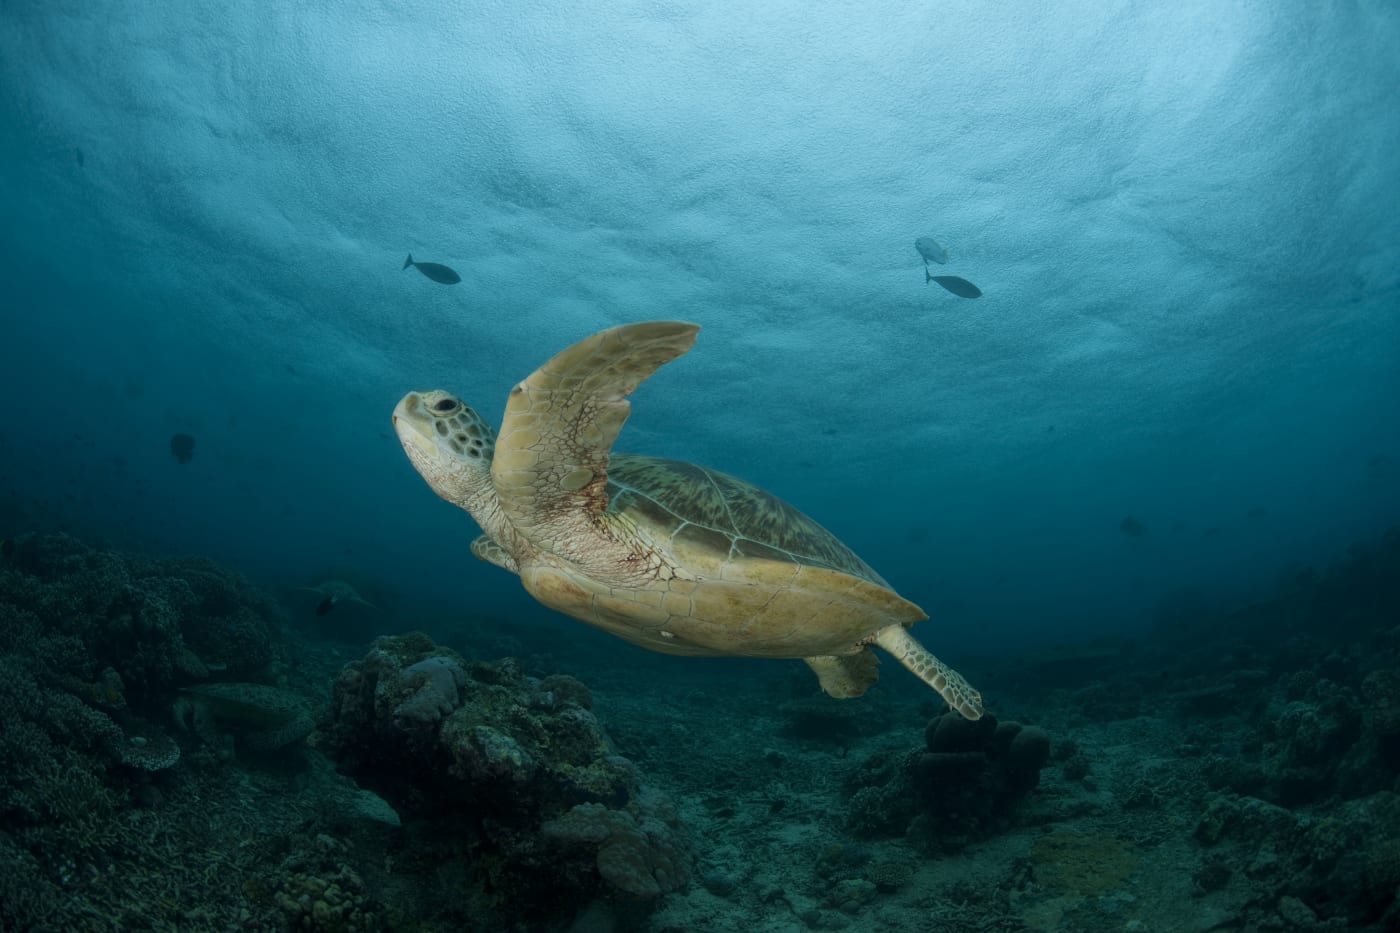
451,446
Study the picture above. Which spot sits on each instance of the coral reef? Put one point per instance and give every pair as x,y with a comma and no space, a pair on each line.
94,786
1257,778
438,693
1344,867
512,772
964,785
100,642
639,857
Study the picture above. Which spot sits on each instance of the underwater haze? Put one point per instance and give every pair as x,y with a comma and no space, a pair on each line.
1078,322
1182,217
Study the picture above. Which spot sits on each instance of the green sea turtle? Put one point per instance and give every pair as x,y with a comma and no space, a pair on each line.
671,556
335,592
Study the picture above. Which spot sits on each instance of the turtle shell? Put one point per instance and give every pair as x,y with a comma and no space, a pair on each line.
736,571
706,512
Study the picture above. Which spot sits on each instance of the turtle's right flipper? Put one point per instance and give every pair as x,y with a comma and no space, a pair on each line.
551,463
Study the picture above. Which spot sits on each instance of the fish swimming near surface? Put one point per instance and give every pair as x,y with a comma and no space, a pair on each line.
434,270
958,286
1132,527
930,250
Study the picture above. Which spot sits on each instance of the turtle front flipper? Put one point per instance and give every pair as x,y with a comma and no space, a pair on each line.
847,675
921,663
491,552
550,468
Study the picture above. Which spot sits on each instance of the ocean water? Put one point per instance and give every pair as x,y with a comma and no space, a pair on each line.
1123,423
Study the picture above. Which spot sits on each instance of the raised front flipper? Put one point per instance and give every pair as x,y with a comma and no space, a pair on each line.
551,463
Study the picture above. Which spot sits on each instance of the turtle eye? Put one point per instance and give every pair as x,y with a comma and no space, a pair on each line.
445,404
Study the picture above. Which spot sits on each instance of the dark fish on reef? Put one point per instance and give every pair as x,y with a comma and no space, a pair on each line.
1132,527
958,286
182,447
930,250
434,270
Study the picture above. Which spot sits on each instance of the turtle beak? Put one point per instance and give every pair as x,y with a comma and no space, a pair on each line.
413,425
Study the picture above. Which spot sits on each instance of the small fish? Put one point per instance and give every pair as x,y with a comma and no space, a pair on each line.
78,154
434,270
182,447
1132,527
960,287
930,250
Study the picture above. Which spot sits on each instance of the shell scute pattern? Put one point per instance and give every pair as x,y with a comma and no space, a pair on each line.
714,512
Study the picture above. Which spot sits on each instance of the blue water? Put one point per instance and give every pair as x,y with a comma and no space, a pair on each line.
1181,376
1183,219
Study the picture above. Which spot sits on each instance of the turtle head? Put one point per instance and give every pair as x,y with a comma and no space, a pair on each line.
450,445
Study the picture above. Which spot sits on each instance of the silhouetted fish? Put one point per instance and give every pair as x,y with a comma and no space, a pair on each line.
960,287
930,250
1132,527
434,270
182,447
78,154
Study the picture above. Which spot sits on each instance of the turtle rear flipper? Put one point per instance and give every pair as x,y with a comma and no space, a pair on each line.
924,665
845,676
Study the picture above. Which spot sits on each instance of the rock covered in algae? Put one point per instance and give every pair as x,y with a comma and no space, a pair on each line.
515,771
